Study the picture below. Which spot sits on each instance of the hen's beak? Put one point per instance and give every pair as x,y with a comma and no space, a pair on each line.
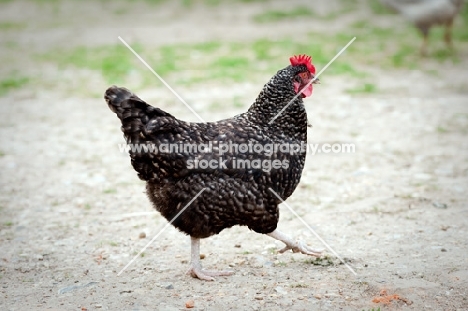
315,80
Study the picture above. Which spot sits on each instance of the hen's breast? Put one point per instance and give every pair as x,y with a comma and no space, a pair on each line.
274,158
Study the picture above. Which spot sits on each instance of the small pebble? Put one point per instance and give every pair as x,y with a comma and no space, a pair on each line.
202,256
443,250
239,261
317,296
237,246
98,306
190,304
170,286
258,297
439,205
142,235
281,290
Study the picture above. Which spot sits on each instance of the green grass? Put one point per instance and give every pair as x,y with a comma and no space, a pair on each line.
228,62
397,47
377,7
12,83
230,67
281,264
360,24
225,62
212,61
113,61
237,102
207,47
276,15
402,44
345,7
340,68
366,88
441,130
6,26
464,15
257,60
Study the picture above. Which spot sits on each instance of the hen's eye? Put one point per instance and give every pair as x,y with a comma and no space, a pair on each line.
304,75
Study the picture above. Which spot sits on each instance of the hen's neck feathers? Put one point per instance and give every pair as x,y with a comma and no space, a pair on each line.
275,95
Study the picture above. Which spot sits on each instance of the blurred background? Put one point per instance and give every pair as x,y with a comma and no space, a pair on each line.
72,46
73,211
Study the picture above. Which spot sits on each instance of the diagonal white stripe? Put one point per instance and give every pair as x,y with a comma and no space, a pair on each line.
162,230
313,231
161,79
311,81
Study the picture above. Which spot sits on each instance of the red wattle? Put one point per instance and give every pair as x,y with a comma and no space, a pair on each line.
306,92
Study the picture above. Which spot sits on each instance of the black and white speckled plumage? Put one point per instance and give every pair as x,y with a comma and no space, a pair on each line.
232,196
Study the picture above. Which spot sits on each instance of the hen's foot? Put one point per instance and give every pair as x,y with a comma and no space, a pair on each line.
196,270
295,246
207,275
301,247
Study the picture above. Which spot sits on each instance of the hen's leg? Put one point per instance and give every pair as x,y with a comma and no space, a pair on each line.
196,270
295,246
448,34
425,33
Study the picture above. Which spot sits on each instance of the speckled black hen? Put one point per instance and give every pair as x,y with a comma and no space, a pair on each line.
231,185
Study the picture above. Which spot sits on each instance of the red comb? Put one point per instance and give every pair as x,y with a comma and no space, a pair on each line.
302,60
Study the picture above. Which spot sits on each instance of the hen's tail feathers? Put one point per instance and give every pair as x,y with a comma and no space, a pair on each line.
114,97
132,111
139,121
128,106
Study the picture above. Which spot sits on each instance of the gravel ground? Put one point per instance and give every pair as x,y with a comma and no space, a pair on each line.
73,212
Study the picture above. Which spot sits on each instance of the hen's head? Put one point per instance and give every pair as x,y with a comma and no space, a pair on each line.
304,73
